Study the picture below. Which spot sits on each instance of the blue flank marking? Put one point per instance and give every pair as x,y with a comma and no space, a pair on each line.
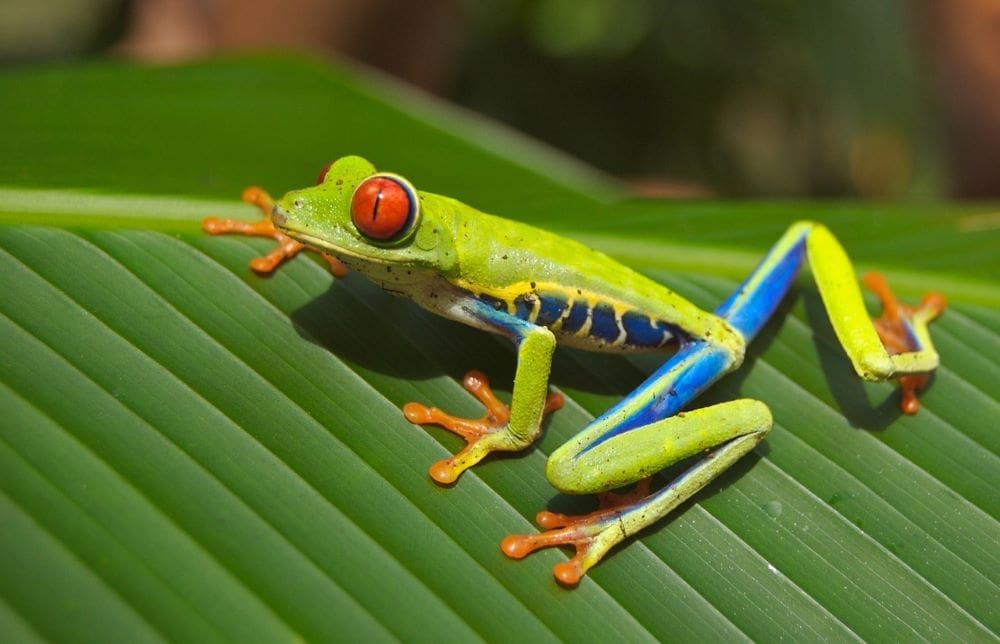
678,381
577,316
550,309
640,331
603,324
522,307
751,313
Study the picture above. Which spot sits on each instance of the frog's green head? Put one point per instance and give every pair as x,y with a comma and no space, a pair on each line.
364,217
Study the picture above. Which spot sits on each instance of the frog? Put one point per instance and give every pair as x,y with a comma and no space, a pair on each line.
539,290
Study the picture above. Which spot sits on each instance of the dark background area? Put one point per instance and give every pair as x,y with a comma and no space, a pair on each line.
761,98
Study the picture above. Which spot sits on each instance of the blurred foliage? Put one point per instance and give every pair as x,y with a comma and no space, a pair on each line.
57,28
757,97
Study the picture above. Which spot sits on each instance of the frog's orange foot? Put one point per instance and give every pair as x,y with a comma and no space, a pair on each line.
482,435
580,531
568,573
286,248
895,326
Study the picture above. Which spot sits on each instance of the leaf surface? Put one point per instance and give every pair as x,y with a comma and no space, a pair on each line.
189,451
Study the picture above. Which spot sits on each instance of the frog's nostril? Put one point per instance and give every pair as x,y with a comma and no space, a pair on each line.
297,203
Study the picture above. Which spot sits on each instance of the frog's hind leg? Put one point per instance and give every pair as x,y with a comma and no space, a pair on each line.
614,451
648,431
896,345
732,429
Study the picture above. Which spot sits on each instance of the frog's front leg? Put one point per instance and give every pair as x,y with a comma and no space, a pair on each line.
501,428
287,247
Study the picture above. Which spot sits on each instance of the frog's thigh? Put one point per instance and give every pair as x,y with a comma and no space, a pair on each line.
638,453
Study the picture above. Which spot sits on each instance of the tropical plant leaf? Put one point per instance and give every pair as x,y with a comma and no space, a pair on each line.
189,451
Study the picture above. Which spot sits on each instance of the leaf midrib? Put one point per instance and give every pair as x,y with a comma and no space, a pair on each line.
81,210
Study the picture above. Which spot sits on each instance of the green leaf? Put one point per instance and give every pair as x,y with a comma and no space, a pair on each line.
192,452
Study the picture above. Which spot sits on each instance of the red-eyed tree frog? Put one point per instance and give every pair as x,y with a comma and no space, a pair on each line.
539,289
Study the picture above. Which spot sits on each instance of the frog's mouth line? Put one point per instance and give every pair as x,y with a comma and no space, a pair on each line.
316,242
280,220
322,245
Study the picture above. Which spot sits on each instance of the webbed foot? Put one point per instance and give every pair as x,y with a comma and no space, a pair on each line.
286,248
898,327
591,534
482,435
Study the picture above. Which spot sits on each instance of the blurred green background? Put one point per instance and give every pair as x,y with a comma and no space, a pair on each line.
760,98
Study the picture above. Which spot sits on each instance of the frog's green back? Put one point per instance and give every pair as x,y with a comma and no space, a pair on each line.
508,261
585,297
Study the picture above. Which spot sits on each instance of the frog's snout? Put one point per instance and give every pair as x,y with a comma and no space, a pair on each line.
278,216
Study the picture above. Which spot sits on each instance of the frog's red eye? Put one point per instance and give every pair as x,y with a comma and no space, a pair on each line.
322,173
384,207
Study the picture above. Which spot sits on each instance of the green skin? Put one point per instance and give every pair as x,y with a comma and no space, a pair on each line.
455,254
